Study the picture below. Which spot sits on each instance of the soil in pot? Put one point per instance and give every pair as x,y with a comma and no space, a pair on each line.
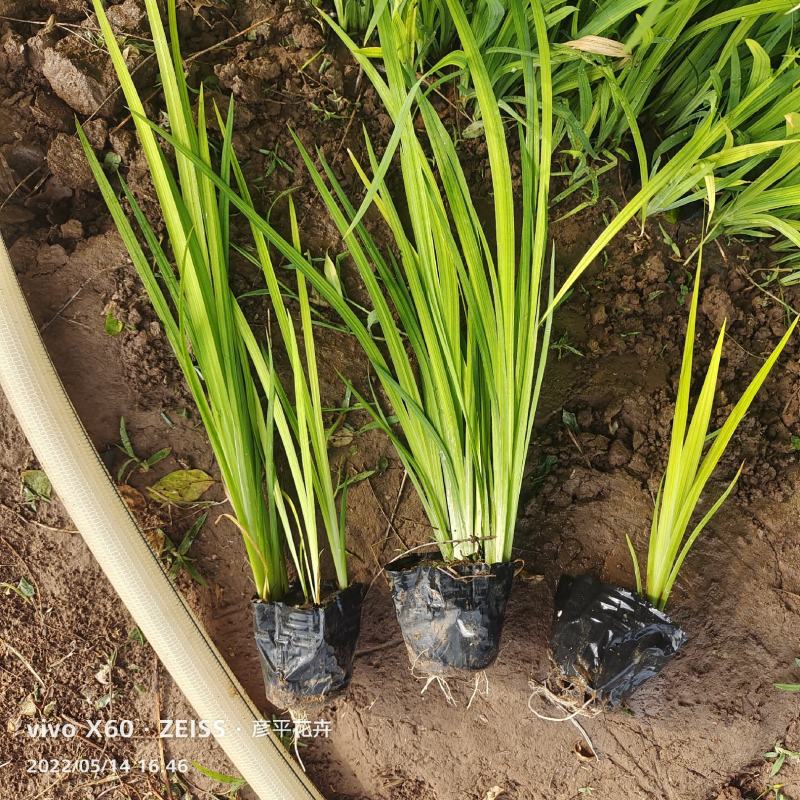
609,640
451,615
307,652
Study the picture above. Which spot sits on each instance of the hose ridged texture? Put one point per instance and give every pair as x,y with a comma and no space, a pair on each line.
84,486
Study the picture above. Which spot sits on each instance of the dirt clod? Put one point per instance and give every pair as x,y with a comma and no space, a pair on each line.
126,17
599,315
717,306
82,76
618,454
68,163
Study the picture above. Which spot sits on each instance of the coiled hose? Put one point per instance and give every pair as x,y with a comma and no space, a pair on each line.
55,433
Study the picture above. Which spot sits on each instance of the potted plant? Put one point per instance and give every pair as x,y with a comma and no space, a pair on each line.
608,640
306,629
464,343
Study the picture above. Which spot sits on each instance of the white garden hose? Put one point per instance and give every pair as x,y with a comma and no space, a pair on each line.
85,488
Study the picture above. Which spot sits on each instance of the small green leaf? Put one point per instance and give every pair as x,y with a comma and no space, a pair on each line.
332,274
635,559
20,589
135,635
103,701
121,470
181,486
36,486
113,326
473,130
795,442
570,420
192,572
125,440
233,781
192,533
776,767
352,480
111,161
152,460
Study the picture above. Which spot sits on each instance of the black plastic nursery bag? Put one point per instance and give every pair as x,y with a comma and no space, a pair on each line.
612,638
451,615
307,653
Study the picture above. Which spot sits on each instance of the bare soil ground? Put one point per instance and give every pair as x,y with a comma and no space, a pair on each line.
70,652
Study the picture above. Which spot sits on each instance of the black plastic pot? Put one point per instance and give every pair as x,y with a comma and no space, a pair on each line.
451,615
611,638
307,653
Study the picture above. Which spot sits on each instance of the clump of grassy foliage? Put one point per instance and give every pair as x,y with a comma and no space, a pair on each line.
238,393
354,15
468,310
687,61
649,73
456,337
745,69
468,300
644,71
688,469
